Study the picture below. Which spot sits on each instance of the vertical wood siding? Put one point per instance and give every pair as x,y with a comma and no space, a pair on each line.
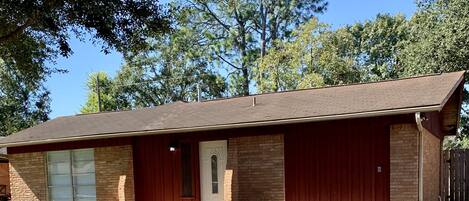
155,177
337,161
158,171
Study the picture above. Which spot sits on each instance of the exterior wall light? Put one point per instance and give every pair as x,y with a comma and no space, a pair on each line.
173,146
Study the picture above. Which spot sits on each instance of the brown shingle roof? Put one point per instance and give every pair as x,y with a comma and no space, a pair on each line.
419,94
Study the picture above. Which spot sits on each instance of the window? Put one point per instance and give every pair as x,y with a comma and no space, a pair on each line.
214,163
71,175
186,168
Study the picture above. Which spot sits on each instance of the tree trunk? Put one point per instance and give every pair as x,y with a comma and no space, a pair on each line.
242,45
263,12
274,21
244,67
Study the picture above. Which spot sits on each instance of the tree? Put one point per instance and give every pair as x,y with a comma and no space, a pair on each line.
240,31
106,91
439,43
381,45
36,32
173,68
317,56
123,25
290,65
23,101
120,24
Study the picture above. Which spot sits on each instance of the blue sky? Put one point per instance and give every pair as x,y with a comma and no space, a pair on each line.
68,91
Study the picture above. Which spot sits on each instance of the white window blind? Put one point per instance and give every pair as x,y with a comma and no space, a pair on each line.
71,175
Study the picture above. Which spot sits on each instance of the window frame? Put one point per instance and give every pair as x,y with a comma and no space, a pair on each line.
187,150
72,172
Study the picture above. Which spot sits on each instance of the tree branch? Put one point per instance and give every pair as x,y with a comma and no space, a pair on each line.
30,21
465,110
16,32
214,16
226,61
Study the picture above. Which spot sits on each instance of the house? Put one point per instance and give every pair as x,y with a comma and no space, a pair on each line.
375,141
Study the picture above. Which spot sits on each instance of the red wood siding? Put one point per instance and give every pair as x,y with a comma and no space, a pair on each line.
433,124
158,171
337,161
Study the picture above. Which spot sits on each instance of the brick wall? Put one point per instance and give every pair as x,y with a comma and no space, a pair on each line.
431,167
114,173
28,176
256,167
404,162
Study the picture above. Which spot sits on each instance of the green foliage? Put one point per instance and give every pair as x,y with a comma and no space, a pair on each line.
106,90
333,59
120,24
36,32
454,142
228,35
23,100
170,70
285,66
381,43
239,32
317,56
438,40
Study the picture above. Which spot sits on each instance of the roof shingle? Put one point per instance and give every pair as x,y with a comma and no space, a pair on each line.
426,93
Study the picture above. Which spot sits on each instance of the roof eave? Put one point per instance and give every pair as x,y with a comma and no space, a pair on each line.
399,111
459,83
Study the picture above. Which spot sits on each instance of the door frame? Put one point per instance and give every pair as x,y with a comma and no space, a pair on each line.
221,166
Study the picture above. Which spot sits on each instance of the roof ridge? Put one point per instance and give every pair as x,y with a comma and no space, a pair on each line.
268,93
334,86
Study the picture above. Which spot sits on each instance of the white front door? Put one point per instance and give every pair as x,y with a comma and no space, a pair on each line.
212,169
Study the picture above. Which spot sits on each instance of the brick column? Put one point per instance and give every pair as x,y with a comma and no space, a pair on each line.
114,173
28,176
256,167
404,162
